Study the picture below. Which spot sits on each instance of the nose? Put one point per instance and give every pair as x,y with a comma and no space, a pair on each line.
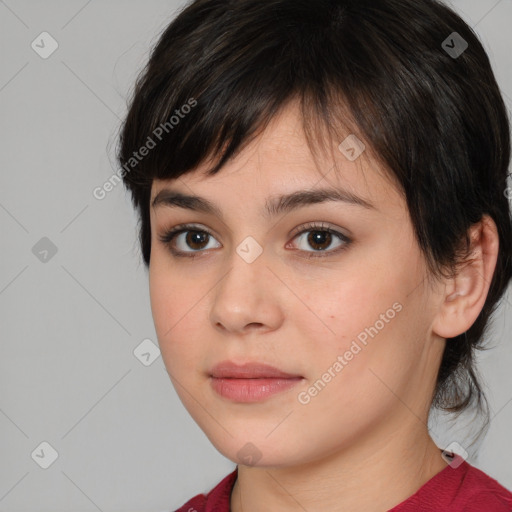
248,297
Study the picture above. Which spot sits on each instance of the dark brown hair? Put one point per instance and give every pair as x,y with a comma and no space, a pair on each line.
429,108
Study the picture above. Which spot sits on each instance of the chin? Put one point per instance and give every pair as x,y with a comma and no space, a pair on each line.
257,451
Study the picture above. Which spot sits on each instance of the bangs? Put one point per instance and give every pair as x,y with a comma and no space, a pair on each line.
207,104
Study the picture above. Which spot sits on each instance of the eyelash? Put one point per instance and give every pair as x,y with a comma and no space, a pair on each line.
168,237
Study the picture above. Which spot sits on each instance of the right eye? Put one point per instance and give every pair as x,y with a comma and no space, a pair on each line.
195,238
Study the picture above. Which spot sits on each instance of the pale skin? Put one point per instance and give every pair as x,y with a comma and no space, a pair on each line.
362,443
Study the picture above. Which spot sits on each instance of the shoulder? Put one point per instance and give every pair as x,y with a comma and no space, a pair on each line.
216,500
462,488
482,492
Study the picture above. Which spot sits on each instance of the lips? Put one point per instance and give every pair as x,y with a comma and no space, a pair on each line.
229,370
250,382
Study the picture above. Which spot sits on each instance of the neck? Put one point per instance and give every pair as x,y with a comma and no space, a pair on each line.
373,475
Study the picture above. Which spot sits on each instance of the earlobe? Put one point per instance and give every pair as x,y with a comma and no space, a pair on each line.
465,293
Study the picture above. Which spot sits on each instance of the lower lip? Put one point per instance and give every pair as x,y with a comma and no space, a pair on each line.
251,390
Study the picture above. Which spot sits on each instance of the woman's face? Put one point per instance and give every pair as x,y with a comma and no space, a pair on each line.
347,313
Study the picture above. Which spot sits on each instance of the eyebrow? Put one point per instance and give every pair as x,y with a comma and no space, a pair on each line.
273,207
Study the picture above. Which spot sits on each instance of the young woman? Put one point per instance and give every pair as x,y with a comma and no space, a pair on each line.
321,188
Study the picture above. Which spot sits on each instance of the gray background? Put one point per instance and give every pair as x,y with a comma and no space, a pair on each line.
70,323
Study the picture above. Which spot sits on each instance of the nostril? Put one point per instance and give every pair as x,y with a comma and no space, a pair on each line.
257,324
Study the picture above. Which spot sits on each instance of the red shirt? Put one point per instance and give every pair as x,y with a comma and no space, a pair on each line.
461,489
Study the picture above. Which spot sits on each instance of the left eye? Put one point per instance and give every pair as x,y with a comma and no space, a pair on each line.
319,237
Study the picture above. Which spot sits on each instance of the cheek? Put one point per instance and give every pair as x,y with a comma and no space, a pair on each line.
376,345
175,306
359,324
340,309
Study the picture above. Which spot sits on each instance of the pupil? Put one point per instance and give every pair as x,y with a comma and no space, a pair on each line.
322,238
196,237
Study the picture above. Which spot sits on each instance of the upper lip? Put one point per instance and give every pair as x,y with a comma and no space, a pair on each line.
228,369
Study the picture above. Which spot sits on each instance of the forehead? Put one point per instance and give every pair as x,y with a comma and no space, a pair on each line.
279,161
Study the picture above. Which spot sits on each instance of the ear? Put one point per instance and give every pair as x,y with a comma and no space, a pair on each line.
465,294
